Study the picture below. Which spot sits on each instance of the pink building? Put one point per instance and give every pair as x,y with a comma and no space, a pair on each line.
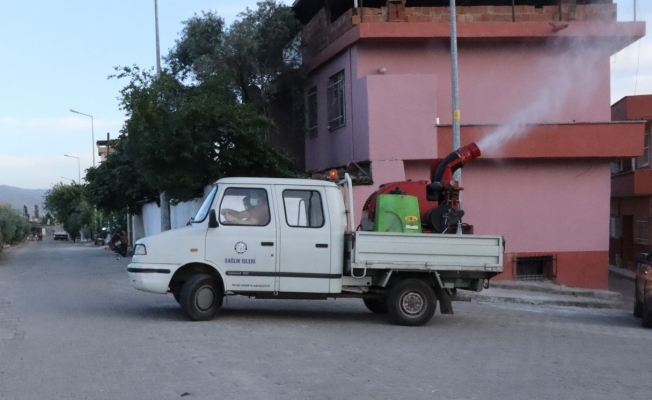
534,93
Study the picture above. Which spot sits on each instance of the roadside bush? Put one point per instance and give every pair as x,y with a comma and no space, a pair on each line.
13,227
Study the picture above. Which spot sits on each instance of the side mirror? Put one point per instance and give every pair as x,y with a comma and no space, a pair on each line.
212,219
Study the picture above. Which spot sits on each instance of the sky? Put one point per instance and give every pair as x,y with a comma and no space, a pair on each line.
57,55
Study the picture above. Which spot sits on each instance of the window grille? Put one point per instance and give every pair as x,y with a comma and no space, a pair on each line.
313,130
336,101
536,268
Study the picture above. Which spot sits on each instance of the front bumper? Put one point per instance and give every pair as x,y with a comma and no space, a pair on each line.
154,278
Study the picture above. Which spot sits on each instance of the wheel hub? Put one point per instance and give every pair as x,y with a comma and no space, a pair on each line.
412,303
205,298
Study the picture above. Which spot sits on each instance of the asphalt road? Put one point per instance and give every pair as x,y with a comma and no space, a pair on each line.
71,327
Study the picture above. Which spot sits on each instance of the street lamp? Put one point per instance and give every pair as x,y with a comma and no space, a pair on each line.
92,132
78,166
71,180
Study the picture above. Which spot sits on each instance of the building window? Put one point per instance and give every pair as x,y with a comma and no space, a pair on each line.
642,231
312,112
336,101
644,160
538,268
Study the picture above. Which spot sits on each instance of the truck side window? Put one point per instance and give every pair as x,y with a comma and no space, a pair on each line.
303,208
244,206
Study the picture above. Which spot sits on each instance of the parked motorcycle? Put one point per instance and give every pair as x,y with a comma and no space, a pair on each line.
119,243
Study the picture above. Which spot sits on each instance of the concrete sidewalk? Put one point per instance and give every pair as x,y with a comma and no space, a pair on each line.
622,273
543,293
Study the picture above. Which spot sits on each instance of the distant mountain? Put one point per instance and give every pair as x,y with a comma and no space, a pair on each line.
17,198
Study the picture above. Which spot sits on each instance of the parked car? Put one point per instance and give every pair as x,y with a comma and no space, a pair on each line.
60,235
643,289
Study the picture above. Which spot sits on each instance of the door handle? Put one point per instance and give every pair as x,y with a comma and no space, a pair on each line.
269,244
321,245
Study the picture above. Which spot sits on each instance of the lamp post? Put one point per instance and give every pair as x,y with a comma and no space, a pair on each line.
78,166
92,132
71,180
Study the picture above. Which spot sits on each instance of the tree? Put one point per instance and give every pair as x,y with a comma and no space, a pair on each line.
252,53
70,207
183,137
13,227
116,184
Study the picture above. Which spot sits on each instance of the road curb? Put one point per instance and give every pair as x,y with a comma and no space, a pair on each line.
523,297
552,288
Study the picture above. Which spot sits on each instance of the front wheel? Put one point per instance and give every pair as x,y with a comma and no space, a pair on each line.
411,303
201,297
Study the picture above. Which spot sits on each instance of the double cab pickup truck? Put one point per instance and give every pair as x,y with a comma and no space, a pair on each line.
296,239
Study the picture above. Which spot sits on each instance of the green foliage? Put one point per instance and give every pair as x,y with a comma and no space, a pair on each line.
13,227
116,184
204,117
251,54
181,138
47,219
70,207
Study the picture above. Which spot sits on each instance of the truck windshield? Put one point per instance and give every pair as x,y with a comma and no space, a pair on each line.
205,208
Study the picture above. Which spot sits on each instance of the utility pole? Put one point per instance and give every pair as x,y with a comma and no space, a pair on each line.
454,85
164,201
456,99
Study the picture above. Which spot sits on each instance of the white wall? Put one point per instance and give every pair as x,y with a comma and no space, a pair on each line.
149,222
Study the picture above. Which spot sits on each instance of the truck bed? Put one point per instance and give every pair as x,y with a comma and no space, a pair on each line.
387,250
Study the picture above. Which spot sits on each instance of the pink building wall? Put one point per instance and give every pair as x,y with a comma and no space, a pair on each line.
392,115
540,206
564,84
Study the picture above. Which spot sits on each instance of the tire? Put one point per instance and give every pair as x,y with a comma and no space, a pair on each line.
376,306
177,296
638,304
411,302
646,316
122,250
201,297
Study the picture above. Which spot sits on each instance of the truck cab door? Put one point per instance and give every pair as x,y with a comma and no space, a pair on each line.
305,228
245,242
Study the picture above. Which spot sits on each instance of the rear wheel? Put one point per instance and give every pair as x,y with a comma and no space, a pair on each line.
376,306
201,297
411,303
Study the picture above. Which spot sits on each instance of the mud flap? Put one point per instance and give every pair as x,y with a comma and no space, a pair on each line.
445,303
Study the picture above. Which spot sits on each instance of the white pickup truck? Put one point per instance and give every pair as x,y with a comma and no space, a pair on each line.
295,239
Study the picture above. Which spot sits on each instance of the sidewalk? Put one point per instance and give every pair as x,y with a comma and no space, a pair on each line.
622,272
543,293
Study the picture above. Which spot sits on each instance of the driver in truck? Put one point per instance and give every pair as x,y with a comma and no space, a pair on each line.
256,214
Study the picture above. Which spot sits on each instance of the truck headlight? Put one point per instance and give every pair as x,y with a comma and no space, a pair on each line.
140,250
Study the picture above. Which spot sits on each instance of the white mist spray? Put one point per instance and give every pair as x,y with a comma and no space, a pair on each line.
575,78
